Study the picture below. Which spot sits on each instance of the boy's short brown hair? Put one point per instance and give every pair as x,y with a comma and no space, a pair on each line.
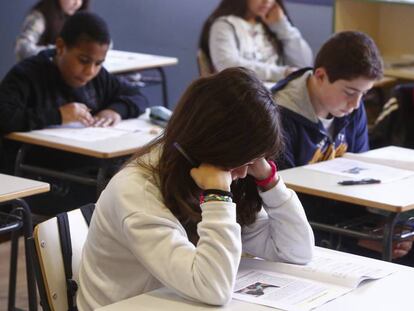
349,55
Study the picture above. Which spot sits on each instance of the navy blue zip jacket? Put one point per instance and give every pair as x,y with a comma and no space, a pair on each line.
33,90
305,137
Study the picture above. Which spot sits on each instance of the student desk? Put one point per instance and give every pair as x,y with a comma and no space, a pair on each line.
389,23
121,62
393,292
12,189
106,150
395,197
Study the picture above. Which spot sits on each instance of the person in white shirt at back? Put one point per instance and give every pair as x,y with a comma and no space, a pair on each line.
256,34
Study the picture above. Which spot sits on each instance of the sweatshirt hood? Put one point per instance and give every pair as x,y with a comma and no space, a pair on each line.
294,96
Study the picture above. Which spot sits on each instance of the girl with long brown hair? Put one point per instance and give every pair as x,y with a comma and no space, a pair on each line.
256,34
180,213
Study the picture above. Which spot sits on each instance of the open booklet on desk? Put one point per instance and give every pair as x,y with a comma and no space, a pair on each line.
77,131
356,170
302,287
393,156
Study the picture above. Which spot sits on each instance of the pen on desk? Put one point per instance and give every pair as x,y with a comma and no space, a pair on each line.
185,155
365,181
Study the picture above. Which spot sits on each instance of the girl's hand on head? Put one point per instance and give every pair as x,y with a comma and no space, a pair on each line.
106,117
76,112
208,176
274,15
260,169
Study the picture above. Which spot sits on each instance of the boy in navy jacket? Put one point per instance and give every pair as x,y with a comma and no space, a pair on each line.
68,84
60,86
322,111
323,115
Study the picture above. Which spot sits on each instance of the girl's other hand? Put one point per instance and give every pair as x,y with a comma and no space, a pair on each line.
274,15
208,176
260,170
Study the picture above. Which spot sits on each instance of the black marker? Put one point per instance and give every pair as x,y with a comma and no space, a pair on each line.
185,155
365,181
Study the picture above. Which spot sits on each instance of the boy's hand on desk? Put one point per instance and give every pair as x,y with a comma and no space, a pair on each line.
76,112
105,118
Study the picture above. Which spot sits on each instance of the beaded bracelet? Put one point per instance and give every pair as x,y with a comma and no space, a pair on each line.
218,191
216,197
268,180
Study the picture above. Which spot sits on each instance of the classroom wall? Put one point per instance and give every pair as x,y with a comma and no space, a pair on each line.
162,27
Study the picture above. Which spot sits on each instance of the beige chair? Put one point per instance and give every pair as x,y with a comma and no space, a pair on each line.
205,67
48,258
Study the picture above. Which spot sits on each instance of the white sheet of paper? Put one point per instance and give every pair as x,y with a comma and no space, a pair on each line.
86,134
336,270
137,125
77,131
353,169
394,156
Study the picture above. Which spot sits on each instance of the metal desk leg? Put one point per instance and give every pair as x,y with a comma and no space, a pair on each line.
24,209
101,176
19,159
388,236
163,86
13,270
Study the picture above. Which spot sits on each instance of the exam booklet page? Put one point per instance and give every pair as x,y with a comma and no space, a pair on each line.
79,132
357,170
393,156
302,287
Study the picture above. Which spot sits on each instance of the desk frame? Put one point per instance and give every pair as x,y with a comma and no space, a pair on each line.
135,65
387,237
106,152
303,180
22,211
99,181
163,81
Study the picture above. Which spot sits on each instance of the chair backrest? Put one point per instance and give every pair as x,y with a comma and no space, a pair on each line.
49,260
205,67
394,125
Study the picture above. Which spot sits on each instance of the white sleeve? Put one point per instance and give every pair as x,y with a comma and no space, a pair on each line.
205,272
281,231
296,50
224,53
27,42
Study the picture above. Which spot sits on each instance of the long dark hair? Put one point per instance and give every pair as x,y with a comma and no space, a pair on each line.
55,18
227,120
237,8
